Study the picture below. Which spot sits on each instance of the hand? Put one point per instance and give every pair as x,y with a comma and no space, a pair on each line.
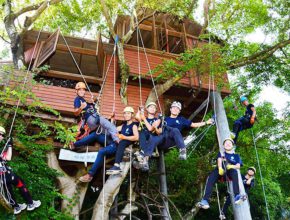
83,105
10,142
229,166
93,99
138,116
142,117
113,115
252,120
221,171
209,121
121,136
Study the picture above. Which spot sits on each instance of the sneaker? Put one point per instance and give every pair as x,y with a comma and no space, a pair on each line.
203,204
182,154
139,155
222,216
114,170
136,165
238,199
34,205
19,208
144,166
86,178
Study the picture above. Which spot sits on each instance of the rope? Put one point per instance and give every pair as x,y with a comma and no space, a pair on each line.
148,65
261,176
130,184
218,200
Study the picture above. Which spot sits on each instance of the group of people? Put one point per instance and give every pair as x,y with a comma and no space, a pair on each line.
152,133
230,162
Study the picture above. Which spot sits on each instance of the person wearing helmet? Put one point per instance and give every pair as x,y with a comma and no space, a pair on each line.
227,166
248,181
148,129
247,121
128,134
171,134
93,120
9,179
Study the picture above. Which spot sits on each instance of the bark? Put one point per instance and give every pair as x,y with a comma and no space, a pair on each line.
15,35
107,195
73,191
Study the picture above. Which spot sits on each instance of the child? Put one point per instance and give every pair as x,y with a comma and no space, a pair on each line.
128,134
148,127
171,134
245,122
229,162
93,120
248,181
8,178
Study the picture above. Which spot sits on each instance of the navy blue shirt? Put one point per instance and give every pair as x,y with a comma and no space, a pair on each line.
232,158
179,122
247,187
150,121
249,111
127,130
77,103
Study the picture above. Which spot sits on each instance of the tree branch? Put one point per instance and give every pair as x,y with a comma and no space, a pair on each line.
2,37
28,8
106,13
30,20
257,56
191,7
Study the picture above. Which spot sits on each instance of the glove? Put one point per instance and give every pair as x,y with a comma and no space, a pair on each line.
221,171
252,120
229,166
121,136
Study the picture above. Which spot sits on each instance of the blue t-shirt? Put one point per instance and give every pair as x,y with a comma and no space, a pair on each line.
232,158
127,130
249,111
247,187
179,122
77,103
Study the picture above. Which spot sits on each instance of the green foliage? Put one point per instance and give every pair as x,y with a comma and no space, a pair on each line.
65,135
29,155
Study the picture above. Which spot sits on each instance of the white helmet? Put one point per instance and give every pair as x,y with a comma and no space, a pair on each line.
176,104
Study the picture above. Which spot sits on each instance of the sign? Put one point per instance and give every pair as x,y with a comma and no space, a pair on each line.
89,157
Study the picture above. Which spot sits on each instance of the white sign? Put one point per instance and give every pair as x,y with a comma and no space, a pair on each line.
89,157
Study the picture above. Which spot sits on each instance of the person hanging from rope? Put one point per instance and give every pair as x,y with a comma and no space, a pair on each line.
227,166
128,134
147,128
96,123
248,181
170,134
245,122
8,179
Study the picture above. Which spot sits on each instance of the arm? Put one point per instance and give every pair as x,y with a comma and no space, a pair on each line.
230,166
78,111
7,155
219,162
254,112
155,126
200,124
249,181
135,136
119,128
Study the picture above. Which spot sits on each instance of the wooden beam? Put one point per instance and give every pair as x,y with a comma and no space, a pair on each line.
71,76
154,34
198,110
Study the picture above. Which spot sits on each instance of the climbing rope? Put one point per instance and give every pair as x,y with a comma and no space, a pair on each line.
261,176
218,200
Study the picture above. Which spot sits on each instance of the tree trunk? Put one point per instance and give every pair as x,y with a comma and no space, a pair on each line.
242,211
73,191
107,195
124,72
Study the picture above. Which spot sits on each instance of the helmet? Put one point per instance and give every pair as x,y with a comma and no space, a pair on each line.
252,168
2,130
229,139
243,98
151,103
80,85
128,109
176,104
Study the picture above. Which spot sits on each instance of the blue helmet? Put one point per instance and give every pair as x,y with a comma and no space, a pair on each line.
243,98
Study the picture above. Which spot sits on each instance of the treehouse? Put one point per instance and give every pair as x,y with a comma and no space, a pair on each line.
59,62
